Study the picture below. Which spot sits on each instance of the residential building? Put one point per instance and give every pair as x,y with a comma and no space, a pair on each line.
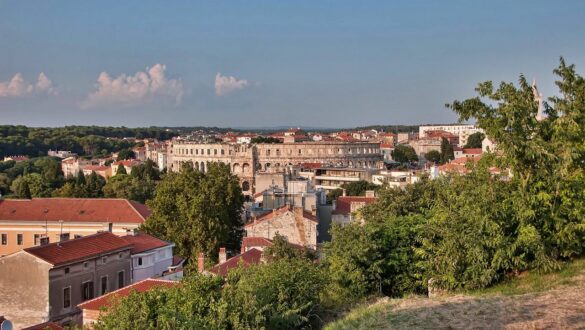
151,257
294,223
395,179
462,131
331,178
46,283
61,153
94,308
101,170
250,257
25,223
127,164
386,149
345,208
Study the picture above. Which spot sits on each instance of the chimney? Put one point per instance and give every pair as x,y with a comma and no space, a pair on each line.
201,262
64,237
370,193
222,255
344,192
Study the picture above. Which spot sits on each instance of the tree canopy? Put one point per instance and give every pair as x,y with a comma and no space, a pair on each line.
404,153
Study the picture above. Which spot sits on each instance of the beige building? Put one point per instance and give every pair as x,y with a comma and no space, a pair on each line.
462,131
25,223
46,283
294,223
247,160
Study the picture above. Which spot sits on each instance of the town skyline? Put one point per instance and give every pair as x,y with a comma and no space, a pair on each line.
268,65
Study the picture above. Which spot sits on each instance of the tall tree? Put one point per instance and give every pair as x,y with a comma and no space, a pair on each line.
475,140
404,153
447,152
199,212
433,156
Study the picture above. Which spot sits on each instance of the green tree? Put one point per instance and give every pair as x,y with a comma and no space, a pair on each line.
282,249
358,188
404,153
30,185
198,211
94,185
128,187
121,170
433,156
475,140
126,154
447,152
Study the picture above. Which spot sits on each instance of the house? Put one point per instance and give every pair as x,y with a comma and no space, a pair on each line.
297,225
16,158
151,257
45,326
92,309
245,259
345,207
25,222
46,283
101,170
127,164
61,153
387,149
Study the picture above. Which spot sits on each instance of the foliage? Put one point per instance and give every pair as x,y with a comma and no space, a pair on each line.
404,153
130,187
121,170
30,185
264,139
475,140
282,249
198,211
358,188
126,153
447,152
83,140
433,156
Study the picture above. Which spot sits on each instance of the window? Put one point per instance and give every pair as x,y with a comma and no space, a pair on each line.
19,239
67,297
66,270
77,236
87,291
120,279
104,260
104,285
37,238
85,264
120,256
139,261
4,239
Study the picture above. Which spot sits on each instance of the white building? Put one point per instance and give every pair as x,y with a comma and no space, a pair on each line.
151,257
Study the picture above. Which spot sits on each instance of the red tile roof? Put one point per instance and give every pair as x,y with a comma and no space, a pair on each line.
177,260
79,249
255,241
280,211
386,145
311,166
95,168
142,286
73,210
343,204
143,242
250,257
474,151
45,326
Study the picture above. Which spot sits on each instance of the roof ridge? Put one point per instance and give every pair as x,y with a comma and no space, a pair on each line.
124,288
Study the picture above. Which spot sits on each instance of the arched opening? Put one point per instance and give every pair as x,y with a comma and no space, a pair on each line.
202,167
266,166
245,186
236,168
245,168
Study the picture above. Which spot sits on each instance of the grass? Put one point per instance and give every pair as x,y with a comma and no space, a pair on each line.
529,301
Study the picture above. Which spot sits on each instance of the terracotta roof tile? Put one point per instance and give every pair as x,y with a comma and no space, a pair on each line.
143,242
343,204
250,257
474,151
79,249
73,210
142,286
45,326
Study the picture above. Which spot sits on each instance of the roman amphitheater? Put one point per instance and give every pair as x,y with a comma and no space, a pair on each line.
245,160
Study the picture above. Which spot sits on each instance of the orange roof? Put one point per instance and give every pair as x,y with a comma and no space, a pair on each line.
343,204
278,212
79,249
95,168
474,151
311,165
143,242
73,210
142,286
250,257
386,145
127,163
255,241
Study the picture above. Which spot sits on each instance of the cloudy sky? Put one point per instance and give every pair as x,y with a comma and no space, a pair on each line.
271,63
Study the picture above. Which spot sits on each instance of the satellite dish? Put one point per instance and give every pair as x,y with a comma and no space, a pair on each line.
6,325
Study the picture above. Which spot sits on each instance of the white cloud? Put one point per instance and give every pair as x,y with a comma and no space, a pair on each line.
227,84
140,88
18,87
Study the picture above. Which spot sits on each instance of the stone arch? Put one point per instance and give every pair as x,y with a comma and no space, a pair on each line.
245,168
245,186
236,168
350,163
266,166
196,166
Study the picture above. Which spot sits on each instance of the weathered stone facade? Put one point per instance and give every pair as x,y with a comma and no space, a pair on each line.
295,224
246,160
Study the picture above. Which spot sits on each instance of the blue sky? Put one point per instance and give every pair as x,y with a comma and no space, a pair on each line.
271,63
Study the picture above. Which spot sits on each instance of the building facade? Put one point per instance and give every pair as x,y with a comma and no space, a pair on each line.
245,160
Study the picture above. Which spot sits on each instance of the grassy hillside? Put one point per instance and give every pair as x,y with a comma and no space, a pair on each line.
530,301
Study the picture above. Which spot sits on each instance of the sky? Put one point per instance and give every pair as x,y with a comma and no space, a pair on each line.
271,63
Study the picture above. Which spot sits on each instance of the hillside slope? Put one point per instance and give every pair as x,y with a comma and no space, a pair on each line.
532,301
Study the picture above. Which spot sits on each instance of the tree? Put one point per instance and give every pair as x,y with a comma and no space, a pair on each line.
131,188
121,170
30,185
126,154
447,152
94,185
433,156
263,139
282,249
198,211
404,153
333,194
358,188
475,140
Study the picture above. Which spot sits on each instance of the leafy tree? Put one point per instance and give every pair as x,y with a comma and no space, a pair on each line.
475,140
121,170
126,154
30,185
128,187
146,170
404,153
333,194
94,185
282,249
358,188
198,211
263,139
433,156
447,152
